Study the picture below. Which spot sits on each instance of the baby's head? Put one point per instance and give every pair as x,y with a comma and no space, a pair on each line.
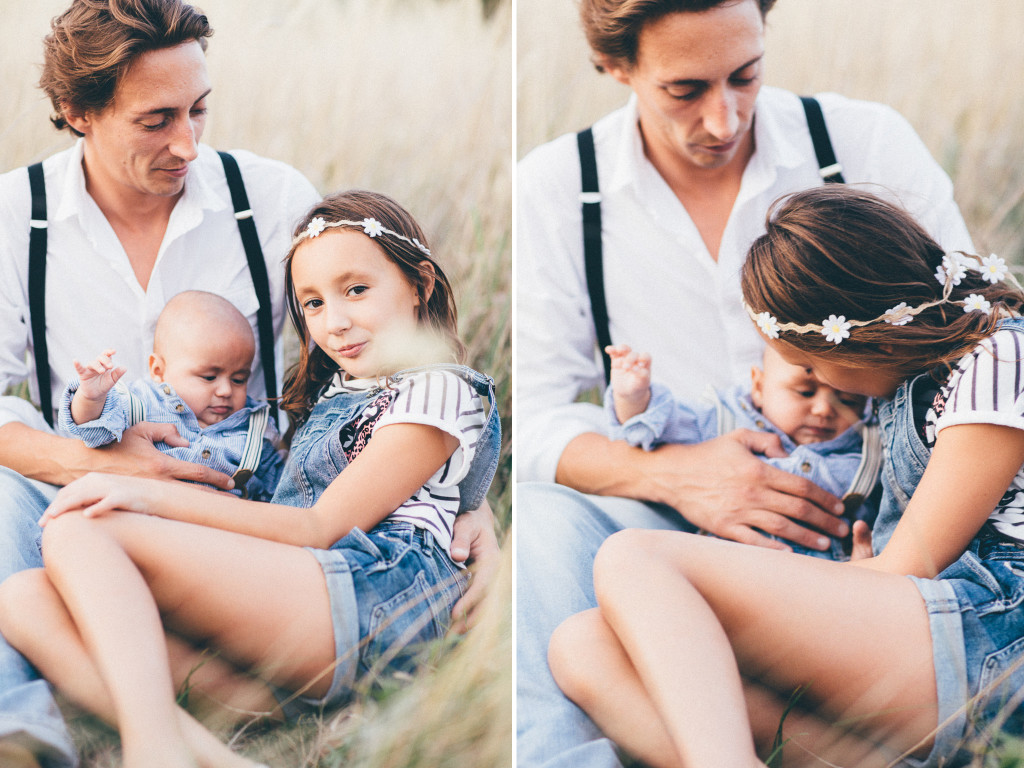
796,402
204,347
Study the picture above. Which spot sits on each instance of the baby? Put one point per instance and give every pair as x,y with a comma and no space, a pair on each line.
821,428
203,349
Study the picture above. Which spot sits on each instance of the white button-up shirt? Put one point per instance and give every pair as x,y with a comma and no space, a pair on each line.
665,293
93,299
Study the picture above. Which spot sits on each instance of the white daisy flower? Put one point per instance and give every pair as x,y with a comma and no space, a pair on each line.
977,303
993,268
372,227
769,325
898,315
953,269
835,329
316,226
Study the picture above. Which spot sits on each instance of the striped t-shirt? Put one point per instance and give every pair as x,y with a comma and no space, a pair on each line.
987,387
440,399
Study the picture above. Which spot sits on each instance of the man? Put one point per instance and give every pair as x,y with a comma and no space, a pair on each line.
687,172
137,212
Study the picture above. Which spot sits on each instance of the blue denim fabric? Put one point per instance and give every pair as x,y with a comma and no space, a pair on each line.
391,590
558,533
832,464
974,606
315,458
28,712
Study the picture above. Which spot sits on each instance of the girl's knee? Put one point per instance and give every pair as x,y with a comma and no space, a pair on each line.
569,655
624,556
21,594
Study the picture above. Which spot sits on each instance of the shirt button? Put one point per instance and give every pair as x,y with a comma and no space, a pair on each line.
179,407
206,453
166,389
805,467
760,424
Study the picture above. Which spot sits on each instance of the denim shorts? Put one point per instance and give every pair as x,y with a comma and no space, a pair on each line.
390,590
976,617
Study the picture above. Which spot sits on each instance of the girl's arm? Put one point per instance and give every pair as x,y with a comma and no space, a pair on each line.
970,469
390,469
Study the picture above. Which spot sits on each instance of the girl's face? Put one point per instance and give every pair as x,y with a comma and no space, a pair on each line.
874,381
357,304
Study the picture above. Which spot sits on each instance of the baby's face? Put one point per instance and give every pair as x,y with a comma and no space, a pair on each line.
209,372
800,405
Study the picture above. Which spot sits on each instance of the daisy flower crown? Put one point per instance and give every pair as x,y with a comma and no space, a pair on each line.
950,273
369,226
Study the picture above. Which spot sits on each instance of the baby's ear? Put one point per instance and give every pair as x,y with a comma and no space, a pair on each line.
756,380
156,367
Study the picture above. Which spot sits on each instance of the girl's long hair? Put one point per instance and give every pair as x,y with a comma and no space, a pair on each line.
837,250
314,369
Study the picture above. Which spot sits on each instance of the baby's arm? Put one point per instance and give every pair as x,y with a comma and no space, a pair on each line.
630,381
96,380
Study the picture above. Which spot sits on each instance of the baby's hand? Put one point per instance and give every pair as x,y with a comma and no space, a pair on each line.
630,380
98,377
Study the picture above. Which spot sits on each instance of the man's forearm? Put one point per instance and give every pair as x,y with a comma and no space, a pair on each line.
41,456
591,463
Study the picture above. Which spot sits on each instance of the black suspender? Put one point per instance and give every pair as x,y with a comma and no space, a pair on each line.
829,168
37,281
258,271
590,199
37,288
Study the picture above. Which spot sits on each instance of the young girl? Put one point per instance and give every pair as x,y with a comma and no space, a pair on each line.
905,658
339,576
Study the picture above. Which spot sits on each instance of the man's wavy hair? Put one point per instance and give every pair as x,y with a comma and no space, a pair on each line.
613,27
837,250
94,42
437,313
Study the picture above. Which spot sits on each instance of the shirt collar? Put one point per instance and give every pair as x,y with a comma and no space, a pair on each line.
199,193
774,146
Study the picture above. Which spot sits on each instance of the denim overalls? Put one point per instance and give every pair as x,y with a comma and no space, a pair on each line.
393,587
975,607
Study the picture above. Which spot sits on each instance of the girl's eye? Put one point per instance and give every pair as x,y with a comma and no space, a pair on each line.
358,290
312,304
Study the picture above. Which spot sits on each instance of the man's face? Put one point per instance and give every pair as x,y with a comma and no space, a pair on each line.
141,143
696,78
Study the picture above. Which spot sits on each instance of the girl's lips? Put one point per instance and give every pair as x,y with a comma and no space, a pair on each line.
351,350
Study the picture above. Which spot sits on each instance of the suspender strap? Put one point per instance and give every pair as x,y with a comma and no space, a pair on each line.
252,451
725,418
258,271
590,199
868,470
830,168
136,408
37,288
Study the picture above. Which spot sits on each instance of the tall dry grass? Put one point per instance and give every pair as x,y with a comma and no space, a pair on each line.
414,98
948,66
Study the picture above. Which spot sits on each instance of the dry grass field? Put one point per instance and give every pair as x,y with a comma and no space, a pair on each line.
414,98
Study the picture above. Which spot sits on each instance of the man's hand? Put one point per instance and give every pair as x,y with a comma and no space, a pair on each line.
136,455
721,486
475,544
718,485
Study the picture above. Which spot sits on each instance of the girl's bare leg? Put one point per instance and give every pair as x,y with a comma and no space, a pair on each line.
264,604
592,668
36,622
692,613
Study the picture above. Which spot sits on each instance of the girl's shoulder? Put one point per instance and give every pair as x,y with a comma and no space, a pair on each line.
444,392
